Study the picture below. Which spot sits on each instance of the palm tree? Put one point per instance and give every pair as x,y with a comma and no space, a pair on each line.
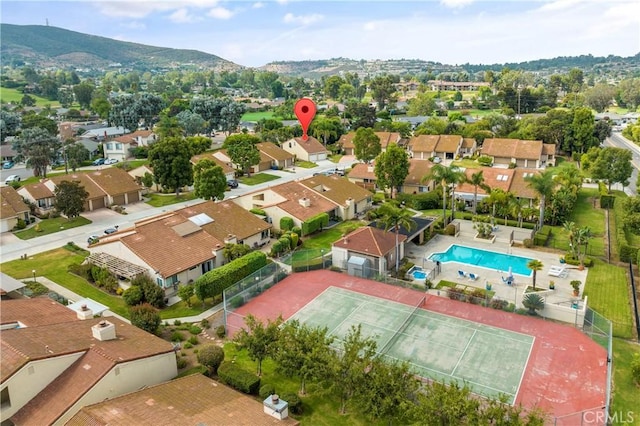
582,239
543,184
477,180
393,216
535,265
446,176
325,128
533,302
570,227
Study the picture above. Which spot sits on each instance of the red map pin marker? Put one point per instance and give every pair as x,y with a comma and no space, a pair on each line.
305,110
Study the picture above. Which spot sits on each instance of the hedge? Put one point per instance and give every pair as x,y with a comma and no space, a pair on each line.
315,223
214,282
242,380
286,223
627,253
570,260
542,236
258,211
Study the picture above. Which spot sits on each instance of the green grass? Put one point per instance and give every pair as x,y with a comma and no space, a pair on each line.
53,265
625,392
256,116
306,164
606,288
131,164
51,226
324,239
13,95
181,310
257,178
319,408
335,158
161,200
467,163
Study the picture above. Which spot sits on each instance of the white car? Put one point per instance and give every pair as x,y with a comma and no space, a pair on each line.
110,161
12,178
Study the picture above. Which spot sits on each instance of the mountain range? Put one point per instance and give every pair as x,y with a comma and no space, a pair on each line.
45,46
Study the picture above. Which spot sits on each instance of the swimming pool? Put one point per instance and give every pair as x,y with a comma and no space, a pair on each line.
483,258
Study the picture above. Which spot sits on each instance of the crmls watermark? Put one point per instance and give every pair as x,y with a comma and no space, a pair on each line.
616,417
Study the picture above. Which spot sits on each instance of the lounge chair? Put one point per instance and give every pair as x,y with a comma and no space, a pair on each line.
473,277
509,280
462,274
558,271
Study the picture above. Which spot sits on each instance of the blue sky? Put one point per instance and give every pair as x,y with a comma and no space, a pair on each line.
253,33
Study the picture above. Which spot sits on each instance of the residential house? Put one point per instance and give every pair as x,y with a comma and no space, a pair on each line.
424,147
55,361
40,195
346,141
10,288
180,246
191,400
138,173
120,147
91,145
12,208
7,153
508,180
363,175
304,199
439,85
106,187
273,157
468,147
104,133
523,153
367,251
309,150
227,166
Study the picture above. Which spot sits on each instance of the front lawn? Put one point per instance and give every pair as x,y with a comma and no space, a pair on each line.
606,288
257,178
324,239
161,200
181,310
306,164
50,226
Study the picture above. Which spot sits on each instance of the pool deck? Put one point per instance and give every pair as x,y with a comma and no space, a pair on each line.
563,293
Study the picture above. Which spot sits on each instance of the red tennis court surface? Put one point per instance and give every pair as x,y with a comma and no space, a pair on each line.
566,372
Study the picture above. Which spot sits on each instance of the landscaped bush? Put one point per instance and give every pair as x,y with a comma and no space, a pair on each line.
82,270
193,340
211,356
297,230
239,379
36,288
450,230
315,223
485,160
258,211
456,294
295,403
266,390
176,336
194,329
477,297
286,223
626,252
498,304
214,282
181,363
542,236
527,242
570,260
187,345
236,302
221,331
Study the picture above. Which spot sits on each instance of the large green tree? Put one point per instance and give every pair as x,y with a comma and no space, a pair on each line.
613,165
393,216
383,90
259,339
326,128
146,317
582,131
600,96
170,160
445,176
392,168
38,147
70,198
209,181
31,121
243,151
75,154
367,144
191,122
84,93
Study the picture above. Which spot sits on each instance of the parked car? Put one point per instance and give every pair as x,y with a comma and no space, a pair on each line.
98,162
93,239
110,161
12,178
111,230
232,183
8,164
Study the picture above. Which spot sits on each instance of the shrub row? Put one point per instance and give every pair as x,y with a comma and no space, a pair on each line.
315,223
570,260
258,211
542,236
214,282
606,200
242,380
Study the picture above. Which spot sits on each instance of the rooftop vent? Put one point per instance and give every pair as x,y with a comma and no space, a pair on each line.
103,331
276,407
84,313
305,202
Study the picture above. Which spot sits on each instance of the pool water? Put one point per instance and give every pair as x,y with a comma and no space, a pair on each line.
419,275
484,259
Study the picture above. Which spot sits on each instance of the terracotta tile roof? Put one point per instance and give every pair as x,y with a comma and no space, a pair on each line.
336,188
114,181
417,170
370,240
512,148
362,171
34,312
125,139
448,143
272,151
89,185
519,186
38,191
141,133
226,168
311,145
62,393
190,400
54,340
423,143
166,249
293,192
548,149
468,143
494,178
12,203
385,139
228,218
346,140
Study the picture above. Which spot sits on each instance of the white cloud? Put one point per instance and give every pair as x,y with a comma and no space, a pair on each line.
220,13
134,25
282,1
290,18
558,5
370,26
456,4
182,16
258,5
141,9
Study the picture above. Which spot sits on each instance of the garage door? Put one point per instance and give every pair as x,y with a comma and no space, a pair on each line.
118,200
97,203
132,197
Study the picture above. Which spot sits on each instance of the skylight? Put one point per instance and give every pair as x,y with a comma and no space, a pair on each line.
201,219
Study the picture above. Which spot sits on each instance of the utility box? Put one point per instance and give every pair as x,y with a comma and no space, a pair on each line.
276,407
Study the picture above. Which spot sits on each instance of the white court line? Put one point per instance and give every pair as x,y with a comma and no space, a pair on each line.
523,371
464,352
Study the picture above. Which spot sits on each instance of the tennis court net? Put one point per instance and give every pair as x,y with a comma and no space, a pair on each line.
402,327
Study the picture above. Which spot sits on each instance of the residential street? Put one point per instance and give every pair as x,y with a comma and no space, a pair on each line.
12,247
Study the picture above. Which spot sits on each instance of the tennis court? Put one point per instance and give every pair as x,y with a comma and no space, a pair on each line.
439,347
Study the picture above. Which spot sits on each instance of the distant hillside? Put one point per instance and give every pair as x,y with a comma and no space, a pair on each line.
56,47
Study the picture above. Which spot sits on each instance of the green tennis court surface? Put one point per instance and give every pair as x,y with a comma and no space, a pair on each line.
439,347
